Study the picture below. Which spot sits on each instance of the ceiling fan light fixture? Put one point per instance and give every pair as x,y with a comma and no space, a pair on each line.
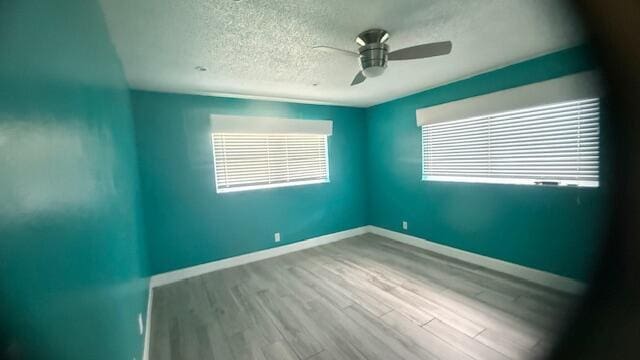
373,71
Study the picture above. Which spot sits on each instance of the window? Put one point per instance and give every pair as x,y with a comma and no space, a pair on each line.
258,153
554,144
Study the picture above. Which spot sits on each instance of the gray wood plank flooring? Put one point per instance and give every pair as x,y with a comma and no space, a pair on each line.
365,298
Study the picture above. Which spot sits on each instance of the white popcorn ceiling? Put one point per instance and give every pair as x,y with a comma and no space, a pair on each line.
262,48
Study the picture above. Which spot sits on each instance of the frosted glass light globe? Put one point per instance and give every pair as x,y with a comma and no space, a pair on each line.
373,71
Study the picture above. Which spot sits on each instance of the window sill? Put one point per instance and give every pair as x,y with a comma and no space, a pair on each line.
270,186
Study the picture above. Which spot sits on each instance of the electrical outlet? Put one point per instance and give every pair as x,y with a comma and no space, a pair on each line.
140,323
405,225
276,237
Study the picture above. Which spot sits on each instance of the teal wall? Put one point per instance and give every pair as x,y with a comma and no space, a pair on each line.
375,165
547,228
188,223
71,255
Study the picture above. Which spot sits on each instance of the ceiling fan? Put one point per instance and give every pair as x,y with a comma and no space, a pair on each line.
374,53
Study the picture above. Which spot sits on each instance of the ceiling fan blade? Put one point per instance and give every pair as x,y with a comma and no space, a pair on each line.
421,51
358,78
336,50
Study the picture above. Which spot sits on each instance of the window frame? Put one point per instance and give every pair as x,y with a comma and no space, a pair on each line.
512,180
225,190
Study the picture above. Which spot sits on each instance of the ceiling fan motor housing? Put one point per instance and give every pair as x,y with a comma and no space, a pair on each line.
373,51
373,59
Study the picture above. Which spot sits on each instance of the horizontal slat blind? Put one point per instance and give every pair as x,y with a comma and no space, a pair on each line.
556,143
254,161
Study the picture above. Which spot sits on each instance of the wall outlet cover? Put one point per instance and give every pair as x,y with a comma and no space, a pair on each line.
405,225
276,237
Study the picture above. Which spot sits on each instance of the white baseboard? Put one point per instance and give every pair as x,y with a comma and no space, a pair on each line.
535,276
181,274
147,325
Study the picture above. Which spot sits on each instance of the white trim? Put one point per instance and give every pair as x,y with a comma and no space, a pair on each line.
271,186
508,181
584,85
181,274
147,325
533,275
246,124
536,276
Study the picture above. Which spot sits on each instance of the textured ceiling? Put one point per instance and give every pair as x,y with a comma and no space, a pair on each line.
262,48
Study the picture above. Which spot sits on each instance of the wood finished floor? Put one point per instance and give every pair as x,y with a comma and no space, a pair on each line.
365,297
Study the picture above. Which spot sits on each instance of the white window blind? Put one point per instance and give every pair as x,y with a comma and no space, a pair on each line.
552,144
256,161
